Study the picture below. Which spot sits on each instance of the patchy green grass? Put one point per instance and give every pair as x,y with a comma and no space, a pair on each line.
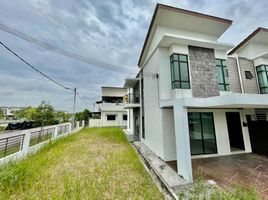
2,129
92,164
203,191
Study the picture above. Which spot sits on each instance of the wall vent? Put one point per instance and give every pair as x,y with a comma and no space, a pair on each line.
261,114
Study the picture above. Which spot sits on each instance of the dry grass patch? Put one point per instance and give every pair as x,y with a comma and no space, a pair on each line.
92,164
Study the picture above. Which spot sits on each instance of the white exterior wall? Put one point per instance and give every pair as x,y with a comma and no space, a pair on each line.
221,132
160,31
253,50
152,112
118,122
260,61
169,135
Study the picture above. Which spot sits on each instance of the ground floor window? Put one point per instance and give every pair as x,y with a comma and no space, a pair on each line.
202,133
125,117
111,117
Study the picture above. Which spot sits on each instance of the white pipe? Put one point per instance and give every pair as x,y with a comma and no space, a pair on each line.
239,73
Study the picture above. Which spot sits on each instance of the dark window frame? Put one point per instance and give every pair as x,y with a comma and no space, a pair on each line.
108,119
178,80
225,85
261,71
202,134
124,117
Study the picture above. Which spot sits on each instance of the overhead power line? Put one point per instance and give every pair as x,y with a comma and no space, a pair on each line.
63,52
87,103
34,68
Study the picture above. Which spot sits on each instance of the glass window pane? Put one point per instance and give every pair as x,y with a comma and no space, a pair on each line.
176,85
221,87
227,87
224,63
195,132
185,85
262,77
172,71
218,62
176,71
184,71
183,58
219,75
175,57
208,133
260,68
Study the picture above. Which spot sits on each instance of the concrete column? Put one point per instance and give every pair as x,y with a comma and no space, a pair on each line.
55,135
83,123
184,161
245,132
26,142
77,124
70,127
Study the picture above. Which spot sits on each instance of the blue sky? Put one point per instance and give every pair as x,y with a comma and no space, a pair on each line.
109,31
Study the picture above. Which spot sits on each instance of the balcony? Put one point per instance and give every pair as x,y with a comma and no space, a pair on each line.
132,100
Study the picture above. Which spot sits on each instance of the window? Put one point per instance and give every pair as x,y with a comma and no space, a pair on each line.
248,75
111,117
179,71
222,75
124,117
202,133
262,72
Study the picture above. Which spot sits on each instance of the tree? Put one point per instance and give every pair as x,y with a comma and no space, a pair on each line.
84,115
45,115
1,114
62,116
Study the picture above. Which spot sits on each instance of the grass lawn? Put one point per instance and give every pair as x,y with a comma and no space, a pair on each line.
2,129
92,164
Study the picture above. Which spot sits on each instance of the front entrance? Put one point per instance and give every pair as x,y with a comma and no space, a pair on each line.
202,133
258,135
235,131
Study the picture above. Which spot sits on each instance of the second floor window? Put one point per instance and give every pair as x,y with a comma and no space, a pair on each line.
179,71
222,75
262,72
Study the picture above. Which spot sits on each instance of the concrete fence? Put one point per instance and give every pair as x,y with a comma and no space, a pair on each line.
17,145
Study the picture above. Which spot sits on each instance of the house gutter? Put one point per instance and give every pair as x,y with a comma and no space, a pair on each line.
239,74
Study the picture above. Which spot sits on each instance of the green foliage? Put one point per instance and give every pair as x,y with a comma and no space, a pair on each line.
43,115
62,116
1,114
204,191
2,129
84,115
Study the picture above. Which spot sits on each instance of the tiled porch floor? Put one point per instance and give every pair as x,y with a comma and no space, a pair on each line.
226,171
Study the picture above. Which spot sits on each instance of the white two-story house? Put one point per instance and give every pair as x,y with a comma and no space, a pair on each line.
111,108
195,99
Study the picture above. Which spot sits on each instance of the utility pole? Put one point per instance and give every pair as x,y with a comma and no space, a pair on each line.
73,122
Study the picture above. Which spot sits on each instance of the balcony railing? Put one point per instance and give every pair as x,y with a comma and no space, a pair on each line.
132,98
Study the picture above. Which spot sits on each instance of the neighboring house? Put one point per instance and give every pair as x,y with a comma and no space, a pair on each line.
111,108
195,101
8,111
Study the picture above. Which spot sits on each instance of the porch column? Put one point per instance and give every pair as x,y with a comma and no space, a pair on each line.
184,161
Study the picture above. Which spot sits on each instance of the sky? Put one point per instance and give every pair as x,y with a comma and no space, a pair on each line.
109,31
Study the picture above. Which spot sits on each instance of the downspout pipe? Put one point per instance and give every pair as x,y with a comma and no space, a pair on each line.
239,74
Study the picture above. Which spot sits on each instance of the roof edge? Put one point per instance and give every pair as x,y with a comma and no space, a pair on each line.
167,7
248,38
